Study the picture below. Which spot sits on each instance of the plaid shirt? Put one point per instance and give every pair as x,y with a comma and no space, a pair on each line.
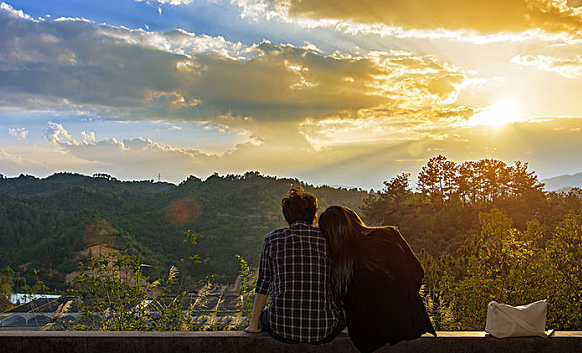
295,273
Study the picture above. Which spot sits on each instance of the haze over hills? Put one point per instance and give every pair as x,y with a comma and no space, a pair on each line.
50,224
563,182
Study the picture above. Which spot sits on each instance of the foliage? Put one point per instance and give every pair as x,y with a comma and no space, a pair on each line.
118,297
191,259
6,285
510,266
484,230
246,286
389,205
504,267
118,293
564,269
43,221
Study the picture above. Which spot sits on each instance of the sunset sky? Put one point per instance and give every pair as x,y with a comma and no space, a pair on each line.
331,92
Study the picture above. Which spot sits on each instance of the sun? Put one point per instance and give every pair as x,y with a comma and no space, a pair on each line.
501,113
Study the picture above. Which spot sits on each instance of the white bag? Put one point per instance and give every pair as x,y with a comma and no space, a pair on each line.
519,321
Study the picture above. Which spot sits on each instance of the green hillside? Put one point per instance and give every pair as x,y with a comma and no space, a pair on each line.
483,230
44,222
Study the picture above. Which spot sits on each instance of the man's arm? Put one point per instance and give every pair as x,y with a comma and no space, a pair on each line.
258,306
261,290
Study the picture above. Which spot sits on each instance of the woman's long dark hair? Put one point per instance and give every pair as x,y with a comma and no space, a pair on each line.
343,230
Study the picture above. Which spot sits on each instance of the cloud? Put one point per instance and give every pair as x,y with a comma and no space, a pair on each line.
57,134
167,2
16,13
19,133
176,41
76,65
13,164
570,68
381,126
88,137
484,16
381,148
40,160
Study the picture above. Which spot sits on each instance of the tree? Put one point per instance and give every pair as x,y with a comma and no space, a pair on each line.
387,206
523,181
437,180
469,181
495,179
506,266
6,285
565,283
528,199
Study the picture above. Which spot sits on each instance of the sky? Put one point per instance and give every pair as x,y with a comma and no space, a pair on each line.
332,92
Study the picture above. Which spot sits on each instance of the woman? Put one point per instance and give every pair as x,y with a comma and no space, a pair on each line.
377,277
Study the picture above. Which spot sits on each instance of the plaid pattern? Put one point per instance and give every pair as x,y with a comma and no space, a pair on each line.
295,273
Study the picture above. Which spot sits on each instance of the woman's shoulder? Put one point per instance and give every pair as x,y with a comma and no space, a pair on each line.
384,233
376,245
384,240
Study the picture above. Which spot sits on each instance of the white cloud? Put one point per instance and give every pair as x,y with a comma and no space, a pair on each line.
18,13
88,137
19,133
570,68
57,134
178,41
255,9
167,2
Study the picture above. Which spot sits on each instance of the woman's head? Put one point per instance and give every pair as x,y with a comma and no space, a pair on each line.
342,228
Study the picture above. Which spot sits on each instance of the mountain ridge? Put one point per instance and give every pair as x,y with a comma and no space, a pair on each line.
563,182
43,220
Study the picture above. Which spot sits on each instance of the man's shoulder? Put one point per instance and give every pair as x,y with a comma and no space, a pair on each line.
296,229
276,233
301,226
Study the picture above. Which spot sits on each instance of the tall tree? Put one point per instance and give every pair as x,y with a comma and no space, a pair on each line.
387,206
437,180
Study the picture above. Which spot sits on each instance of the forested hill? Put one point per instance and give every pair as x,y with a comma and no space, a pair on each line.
483,230
48,224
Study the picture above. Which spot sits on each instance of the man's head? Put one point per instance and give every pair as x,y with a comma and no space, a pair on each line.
299,205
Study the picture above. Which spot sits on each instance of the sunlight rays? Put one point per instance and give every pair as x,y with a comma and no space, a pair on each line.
501,113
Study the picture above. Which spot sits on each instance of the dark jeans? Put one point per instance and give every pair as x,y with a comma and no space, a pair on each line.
267,328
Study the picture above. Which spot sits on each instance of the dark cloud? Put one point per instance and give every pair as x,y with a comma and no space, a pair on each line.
135,74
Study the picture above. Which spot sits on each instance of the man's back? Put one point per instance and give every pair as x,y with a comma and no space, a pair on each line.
295,272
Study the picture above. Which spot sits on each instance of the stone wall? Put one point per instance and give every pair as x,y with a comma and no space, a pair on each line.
239,342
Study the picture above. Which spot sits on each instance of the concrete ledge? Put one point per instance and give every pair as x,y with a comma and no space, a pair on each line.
239,342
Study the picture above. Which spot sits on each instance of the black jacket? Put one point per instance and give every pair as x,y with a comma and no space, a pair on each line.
382,303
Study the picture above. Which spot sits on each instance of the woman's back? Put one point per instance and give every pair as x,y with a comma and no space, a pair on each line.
382,302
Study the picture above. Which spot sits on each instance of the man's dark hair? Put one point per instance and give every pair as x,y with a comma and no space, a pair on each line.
299,205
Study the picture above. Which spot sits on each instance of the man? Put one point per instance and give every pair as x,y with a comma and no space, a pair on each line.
295,273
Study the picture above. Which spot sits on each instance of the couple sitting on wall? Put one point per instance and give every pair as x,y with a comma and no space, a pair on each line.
343,273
